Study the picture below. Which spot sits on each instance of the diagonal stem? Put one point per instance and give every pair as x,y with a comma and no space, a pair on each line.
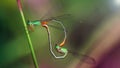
27,34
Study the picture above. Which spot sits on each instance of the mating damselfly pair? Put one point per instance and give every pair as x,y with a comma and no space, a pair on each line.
46,23
51,22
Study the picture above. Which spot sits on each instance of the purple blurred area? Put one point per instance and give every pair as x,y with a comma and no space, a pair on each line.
112,60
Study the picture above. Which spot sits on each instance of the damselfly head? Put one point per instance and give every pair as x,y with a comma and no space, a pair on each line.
32,24
61,49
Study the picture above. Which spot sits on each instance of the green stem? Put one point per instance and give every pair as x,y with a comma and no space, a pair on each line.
28,36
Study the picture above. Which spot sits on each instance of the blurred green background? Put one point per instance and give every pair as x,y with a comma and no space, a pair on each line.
87,17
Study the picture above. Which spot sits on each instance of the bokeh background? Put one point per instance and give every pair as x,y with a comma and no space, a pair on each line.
89,20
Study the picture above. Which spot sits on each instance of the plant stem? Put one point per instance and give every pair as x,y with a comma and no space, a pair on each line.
27,34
